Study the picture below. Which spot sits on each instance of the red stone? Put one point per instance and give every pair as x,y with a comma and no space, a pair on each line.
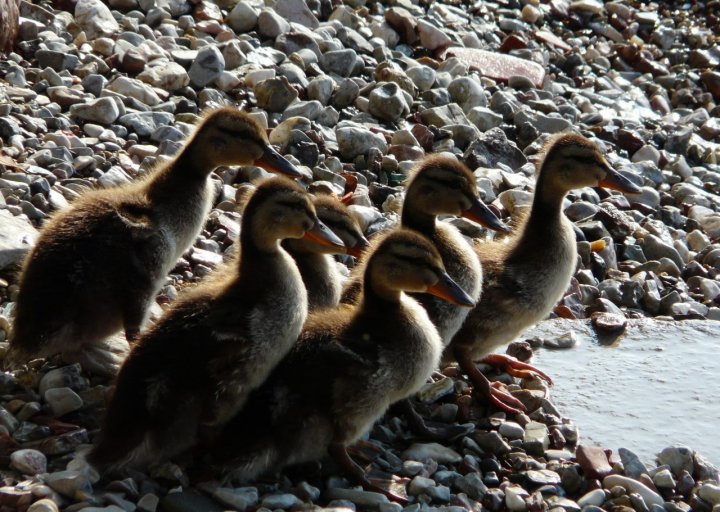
711,79
551,39
512,42
498,66
208,11
593,461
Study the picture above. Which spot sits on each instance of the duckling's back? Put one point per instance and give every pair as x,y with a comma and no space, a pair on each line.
74,293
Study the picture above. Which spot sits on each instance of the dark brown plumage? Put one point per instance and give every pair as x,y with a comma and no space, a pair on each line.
97,266
348,366
217,343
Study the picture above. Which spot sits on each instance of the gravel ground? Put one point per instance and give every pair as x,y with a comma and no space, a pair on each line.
95,93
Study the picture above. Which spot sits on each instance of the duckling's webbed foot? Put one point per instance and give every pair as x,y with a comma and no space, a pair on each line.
418,426
516,368
338,451
497,396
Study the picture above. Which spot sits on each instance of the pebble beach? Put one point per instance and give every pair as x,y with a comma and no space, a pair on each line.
94,93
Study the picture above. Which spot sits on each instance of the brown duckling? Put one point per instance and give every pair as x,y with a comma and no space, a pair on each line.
440,185
527,275
97,266
317,267
348,366
218,342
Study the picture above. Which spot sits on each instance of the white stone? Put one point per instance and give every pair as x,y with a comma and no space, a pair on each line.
63,400
44,505
434,451
102,110
594,498
663,479
134,89
354,141
170,76
710,493
238,498
17,237
29,462
242,18
95,18
511,430
515,498
432,37
648,495
67,482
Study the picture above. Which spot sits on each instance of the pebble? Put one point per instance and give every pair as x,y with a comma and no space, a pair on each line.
28,462
441,454
649,496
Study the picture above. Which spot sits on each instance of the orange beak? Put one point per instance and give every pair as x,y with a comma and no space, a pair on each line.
616,181
480,213
275,162
322,235
449,290
359,248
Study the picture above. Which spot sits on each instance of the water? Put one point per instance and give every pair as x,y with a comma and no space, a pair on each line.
654,386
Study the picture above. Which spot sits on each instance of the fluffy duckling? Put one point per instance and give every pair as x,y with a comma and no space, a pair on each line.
440,185
197,365
348,366
317,267
98,265
526,276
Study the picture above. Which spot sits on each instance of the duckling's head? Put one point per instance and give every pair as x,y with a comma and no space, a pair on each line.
572,161
406,261
335,215
280,209
227,136
440,185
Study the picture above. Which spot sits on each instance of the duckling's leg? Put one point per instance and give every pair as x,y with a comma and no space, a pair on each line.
498,397
516,368
338,451
419,427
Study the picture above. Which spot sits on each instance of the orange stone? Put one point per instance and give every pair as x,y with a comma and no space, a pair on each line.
552,40
498,66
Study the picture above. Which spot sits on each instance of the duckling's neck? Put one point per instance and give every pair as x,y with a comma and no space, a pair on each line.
188,167
418,220
546,214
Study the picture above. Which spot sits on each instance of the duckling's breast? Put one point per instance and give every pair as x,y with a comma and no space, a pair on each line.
463,266
181,219
405,362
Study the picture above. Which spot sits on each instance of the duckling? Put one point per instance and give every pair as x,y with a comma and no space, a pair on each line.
349,364
527,275
317,267
440,185
97,266
197,365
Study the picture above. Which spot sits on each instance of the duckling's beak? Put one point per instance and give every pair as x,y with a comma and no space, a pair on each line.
359,248
480,213
616,181
449,290
322,235
275,162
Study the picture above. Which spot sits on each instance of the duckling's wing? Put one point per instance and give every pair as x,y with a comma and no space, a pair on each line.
135,216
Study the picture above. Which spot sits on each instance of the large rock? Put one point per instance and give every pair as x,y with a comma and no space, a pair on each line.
493,147
95,18
17,236
354,141
207,66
